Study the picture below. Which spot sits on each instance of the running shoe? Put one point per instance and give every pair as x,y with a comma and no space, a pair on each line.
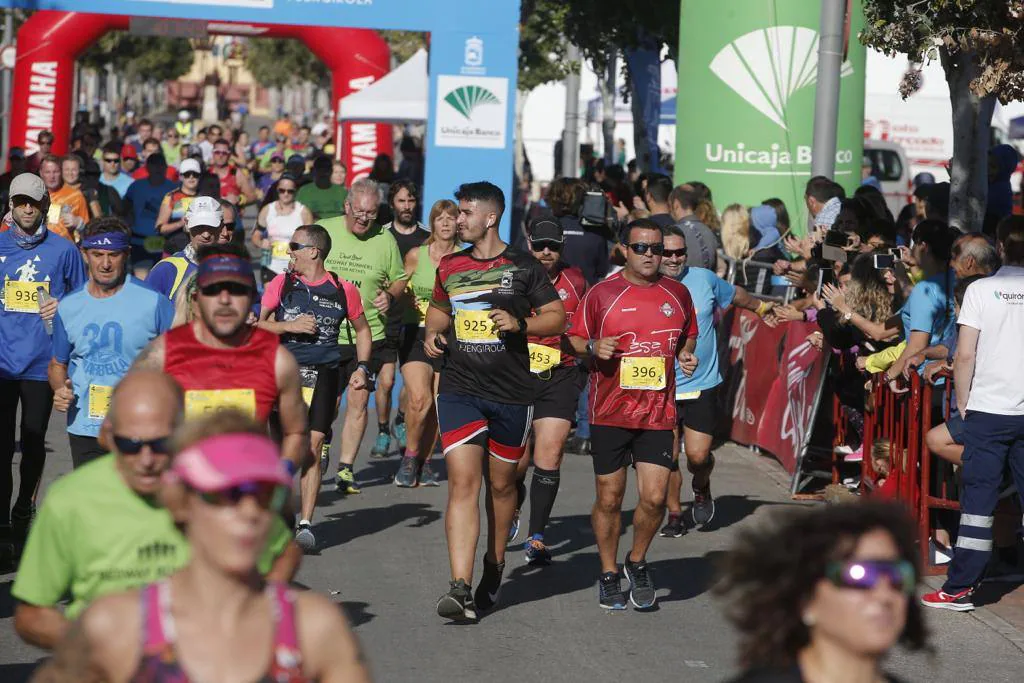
959,602
398,431
486,595
406,475
428,477
346,481
641,587
304,536
457,604
703,510
609,591
674,528
513,531
537,554
382,446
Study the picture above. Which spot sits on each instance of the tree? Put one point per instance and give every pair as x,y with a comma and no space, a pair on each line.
277,62
979,44
404,44
145,58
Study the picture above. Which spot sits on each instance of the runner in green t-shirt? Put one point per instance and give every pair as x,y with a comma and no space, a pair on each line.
366,255
322,197
101,530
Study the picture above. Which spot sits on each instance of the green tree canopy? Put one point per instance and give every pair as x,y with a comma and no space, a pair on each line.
142,57
278,62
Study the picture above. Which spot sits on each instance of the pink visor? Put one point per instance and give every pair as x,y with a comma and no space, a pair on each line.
229,460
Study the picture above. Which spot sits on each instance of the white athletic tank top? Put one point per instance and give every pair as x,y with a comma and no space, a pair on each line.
280,229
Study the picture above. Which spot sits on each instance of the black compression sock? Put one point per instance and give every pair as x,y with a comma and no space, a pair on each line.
543,489
383,428
520,493
399,417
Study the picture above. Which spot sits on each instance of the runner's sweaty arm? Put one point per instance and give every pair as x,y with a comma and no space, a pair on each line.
364,348
437,323
291,408
548,320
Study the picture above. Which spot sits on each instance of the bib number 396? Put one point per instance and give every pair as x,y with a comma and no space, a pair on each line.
644,373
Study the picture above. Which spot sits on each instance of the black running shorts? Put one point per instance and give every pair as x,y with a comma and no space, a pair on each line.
614,448
557,392
701,413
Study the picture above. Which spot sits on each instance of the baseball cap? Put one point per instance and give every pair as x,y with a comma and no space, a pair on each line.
546,228
204,211
277,157
228,460
28,185
128,152
190,166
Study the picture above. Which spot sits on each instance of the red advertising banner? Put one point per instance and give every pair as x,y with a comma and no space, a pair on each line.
773,379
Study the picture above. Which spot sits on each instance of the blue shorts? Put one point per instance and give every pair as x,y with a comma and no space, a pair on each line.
502,428
955,425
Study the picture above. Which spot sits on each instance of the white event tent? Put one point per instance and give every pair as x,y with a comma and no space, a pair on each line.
398,97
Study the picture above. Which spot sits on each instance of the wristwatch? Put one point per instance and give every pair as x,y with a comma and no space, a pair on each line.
371,379
522,326
590,347
847,316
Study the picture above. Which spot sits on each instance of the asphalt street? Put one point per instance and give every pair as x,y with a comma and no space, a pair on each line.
383,560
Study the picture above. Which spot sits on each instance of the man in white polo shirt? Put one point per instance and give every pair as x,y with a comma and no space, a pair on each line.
990,383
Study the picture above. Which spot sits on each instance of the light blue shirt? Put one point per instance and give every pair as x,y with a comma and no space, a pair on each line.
929,308
98,340
121,183
710,293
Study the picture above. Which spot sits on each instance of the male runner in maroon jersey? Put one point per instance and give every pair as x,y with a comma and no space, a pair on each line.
485,397
632,326
558,380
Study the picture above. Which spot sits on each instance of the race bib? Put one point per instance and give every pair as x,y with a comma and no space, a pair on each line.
688,396
53,213
543,358
153,244
645,373
421,311
202,402
279,250
99,401
475,327
23,297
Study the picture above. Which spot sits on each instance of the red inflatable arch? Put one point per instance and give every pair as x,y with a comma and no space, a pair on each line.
49,42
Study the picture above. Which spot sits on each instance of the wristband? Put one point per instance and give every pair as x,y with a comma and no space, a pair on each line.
761,308
522,326
290,466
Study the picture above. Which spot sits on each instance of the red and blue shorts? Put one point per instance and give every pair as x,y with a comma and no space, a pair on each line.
501,428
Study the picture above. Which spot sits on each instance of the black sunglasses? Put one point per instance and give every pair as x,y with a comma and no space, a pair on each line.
299,246
232,288
190,174
541,245
111,161
866,574
673,253
641,248
267,495
127,446
285,190
221,151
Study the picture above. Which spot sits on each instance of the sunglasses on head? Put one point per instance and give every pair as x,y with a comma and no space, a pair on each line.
641,248
865,574
674,253
267,495
127,446
541,245
232,288
190,174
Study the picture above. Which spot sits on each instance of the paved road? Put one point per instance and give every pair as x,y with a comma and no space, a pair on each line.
384,559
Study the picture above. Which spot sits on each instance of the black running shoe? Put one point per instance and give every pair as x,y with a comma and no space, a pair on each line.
703,509
641,587
486,595
609,591
457,604
673,528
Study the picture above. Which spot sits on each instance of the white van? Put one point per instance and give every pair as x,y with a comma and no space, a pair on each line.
889,164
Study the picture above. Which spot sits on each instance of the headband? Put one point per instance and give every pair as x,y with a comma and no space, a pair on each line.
110,241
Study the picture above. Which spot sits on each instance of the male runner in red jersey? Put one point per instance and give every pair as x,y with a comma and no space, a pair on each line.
558,381
485,395
222,362
632,326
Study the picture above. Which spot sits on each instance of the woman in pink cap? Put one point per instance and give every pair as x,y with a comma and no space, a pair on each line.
213,619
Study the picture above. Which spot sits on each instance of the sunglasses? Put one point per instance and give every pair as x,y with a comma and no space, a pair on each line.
267,495
111,161
674,253
277,161
541,245
190,174
127,446
865,574
641,248
220,153
232,288
285,190
299,246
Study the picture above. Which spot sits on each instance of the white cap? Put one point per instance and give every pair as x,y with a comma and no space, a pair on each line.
188,165
184,115
319,129
204,211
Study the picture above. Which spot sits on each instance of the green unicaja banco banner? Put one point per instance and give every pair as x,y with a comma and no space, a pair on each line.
745,109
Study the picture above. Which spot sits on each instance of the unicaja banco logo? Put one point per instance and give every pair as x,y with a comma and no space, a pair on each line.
765,67
468,97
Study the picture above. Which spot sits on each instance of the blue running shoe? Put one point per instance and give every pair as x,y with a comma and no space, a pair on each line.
382,446
398,431
513,531
537,554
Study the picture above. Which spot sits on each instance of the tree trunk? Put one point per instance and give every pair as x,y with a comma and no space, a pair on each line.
607,85
972,122
519,150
